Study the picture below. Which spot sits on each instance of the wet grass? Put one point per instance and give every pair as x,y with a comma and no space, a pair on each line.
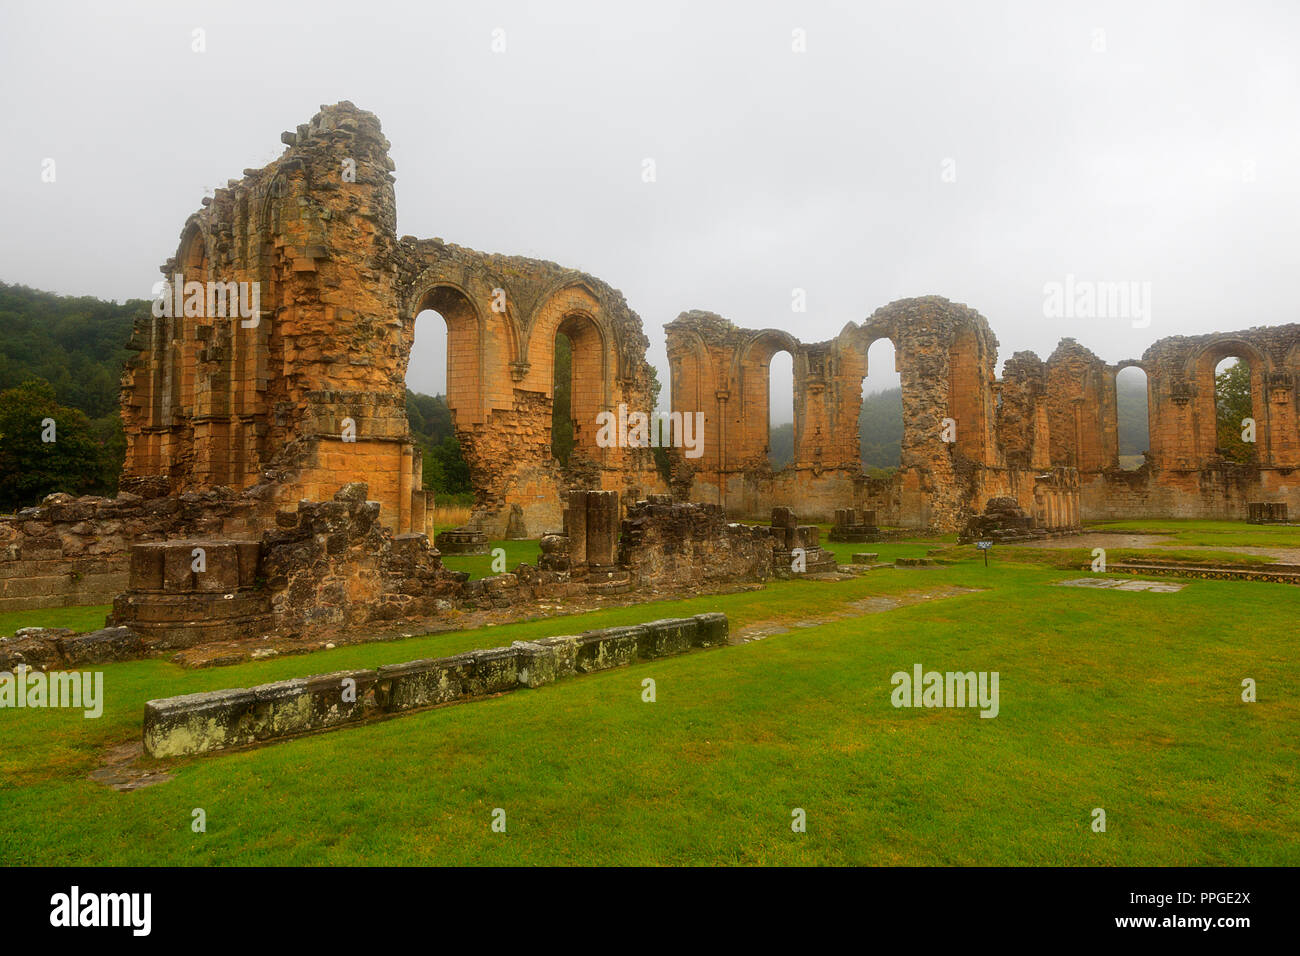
1125,701
1080,559
1209,534
480,565
86,617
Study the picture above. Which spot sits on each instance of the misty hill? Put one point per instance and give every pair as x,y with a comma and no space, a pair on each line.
1131,409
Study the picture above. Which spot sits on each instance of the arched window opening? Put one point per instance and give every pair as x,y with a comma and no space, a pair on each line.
780,407
562,423
432,372
1235,426
1131,406
577,390
880,421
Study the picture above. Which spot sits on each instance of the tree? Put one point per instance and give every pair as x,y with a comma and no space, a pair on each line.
445,469
562,440
780,445
1232,404
78,345
880,429
46,447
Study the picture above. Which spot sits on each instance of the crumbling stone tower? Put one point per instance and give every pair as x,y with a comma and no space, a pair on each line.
210,402
309,395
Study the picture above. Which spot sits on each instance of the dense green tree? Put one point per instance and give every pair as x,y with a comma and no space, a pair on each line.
880,428
445,470
45,447
562,432
77,346
1232,404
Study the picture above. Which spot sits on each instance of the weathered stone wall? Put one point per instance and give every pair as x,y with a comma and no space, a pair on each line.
70,551
503,315
1018,437
679,545
1081,409
1185,476
312,393
217,401
945,355
205,723
333,564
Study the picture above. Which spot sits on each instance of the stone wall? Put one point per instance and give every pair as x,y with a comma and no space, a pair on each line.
70,551
204,723
334,564
945,354
1041,419
665,544
310,393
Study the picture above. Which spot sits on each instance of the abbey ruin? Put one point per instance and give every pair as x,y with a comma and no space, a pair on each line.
289,427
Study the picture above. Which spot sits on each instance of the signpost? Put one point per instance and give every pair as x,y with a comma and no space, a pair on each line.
986,547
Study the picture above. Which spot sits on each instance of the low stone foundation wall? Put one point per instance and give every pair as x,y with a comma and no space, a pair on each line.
53,648
668,544
202,723
1274,573
70,551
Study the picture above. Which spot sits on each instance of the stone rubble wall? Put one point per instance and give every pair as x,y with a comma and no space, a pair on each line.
672,545
58,648
218,720
75,550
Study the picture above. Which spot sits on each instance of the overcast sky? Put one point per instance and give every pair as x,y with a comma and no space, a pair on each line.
974,150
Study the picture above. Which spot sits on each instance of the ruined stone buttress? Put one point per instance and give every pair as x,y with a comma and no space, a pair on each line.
309,393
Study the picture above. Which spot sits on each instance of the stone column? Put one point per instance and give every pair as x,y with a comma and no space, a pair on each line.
602,528
575,518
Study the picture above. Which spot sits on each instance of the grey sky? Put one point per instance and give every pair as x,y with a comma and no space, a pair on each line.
1169,158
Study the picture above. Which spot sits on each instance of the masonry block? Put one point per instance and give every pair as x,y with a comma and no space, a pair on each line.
606,648
667,637
495,670
566,653
710,629
199,723
536,663
424,683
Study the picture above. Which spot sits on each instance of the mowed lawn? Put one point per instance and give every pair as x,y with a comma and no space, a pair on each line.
1209,534
1129,702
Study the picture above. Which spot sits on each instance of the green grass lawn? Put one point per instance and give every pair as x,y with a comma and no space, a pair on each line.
1076,559
87,617
1209,534
1125,701
480,565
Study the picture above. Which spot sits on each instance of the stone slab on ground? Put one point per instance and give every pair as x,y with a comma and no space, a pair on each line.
1121,584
